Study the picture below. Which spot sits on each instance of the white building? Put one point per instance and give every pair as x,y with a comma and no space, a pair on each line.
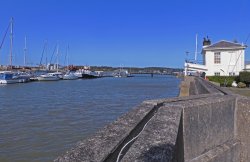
222,58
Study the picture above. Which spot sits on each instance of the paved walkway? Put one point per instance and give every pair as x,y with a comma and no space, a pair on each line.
240,91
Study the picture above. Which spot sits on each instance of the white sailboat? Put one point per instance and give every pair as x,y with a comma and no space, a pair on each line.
7,77
10,77
69,75
48,77
51,76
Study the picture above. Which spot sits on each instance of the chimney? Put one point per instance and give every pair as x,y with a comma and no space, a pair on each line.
206,42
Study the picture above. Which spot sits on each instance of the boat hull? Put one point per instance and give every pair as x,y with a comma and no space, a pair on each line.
89,76
11,81
48,78
70,77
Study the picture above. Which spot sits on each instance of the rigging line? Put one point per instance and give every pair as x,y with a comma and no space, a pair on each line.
5,34
57,55
247,38
240,53
66,59
42,54
52,54
229,62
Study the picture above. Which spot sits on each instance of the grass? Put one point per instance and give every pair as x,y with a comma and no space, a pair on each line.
241,91
228,80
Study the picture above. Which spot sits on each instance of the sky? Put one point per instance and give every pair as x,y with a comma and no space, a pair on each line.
137,33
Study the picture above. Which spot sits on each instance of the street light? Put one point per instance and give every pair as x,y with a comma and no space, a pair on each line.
225,81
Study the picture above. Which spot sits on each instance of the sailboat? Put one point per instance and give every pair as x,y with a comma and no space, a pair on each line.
51,76
48,77
69,75
10,77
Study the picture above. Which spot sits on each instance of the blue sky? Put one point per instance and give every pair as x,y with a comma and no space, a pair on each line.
121,32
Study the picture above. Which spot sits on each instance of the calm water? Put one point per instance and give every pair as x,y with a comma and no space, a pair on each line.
41,120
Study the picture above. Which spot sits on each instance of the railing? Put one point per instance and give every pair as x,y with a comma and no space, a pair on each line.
194,61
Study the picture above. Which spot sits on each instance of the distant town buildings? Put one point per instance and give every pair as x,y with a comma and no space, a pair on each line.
223,58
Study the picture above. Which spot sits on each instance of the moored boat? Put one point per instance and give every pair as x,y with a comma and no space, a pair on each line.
48,77
58,74
86,73
7,77
121,73
70,76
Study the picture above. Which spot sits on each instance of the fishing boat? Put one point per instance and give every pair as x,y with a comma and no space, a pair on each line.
48,77
7,77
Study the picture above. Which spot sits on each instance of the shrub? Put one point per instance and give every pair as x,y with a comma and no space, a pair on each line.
241,85
244,77
223,80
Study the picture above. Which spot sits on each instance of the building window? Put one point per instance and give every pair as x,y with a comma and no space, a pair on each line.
217,74
217,58
231,74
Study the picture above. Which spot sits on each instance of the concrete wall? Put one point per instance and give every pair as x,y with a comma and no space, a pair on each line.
207,123
243,127
210,125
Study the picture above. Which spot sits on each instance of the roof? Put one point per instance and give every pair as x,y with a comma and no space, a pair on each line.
224,45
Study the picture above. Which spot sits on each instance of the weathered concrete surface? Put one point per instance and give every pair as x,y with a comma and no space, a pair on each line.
197,86
97,147
185,86
243,127
207,123
205,87
177,99
157,141
227,152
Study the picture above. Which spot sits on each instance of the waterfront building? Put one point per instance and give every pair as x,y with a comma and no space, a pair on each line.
223,58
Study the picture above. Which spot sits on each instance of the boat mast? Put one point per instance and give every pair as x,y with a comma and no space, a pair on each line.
11,40
196,48
68,57
25,52
57,53
46,50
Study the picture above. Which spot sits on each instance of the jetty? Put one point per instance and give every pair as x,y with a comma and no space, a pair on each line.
204,124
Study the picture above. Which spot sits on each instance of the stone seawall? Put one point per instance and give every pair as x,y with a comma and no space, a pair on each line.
206,124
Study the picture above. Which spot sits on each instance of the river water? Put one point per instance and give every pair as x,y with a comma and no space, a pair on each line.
41,120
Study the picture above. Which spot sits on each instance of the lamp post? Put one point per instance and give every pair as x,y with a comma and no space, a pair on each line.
225,81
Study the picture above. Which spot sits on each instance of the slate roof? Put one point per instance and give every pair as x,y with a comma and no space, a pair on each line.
225,45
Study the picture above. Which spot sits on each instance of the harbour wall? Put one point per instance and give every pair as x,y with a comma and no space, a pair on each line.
204,124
